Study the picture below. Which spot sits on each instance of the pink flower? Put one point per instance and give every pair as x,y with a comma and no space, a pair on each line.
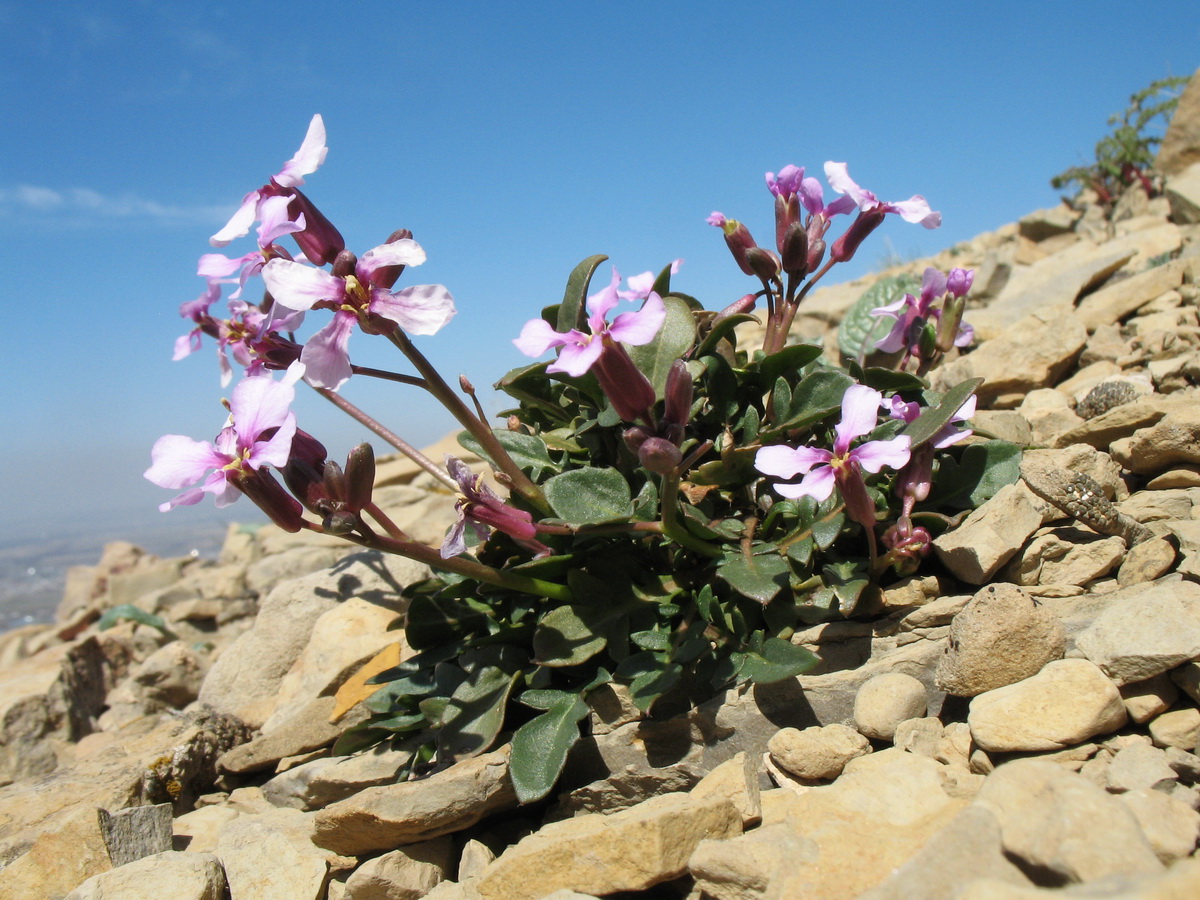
910,311
283,209
420,309
641,285
480,508
914,209
258,433
843,466
581,350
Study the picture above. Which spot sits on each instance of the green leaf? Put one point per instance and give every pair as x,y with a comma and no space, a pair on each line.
475,713
651,640
437,619
589,496
527,450
540,748
567,636
760,577
720,330
935,418
360,737
778,659
673,341
979,473
131,613
571,313
646,688
784,363
817,395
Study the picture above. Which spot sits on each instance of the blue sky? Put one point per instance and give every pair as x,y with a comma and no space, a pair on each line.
514,139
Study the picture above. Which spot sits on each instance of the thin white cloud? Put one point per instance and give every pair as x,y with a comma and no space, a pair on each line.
25,200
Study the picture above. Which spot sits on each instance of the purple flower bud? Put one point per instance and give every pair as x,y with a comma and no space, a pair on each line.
787,214
763,263
360,476
677,396
959,281
343,264
659,455
793,251
635,436
319,240
268,495
627,389
867,221
744,304
737,237
816,252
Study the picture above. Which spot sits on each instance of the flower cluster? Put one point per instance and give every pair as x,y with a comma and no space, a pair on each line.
669,506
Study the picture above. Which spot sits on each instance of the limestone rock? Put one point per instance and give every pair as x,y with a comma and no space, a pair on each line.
408,873
1067,702
1174,439
1183,193
170,875
1171,826
735,780
271,857
1146,699
1121,299
969,847
630,850
818,753
989,536
999,638
1177,728
246,678
1150,632
1139,766
1180,145
1034,352
886,700
383,818
1058,821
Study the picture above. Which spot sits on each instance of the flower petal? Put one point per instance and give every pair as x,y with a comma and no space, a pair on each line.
640,327
576,357
177,461
916,209
860,410
308,158
258,404
817,484
420,309
239,223
874,455
404,252
298,286
537,336
325,356
780,461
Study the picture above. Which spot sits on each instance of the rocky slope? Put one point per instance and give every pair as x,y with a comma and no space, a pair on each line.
1021,721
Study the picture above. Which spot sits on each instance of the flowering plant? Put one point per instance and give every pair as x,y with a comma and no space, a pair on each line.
654,534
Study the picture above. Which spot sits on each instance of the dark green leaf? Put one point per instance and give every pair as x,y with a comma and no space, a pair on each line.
783,364
566,636
720,330
759,577
935,418
673,341
980,472
475,713
540,748
651,640
588,496
527,450
433,620
571,313
778,659
131,613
